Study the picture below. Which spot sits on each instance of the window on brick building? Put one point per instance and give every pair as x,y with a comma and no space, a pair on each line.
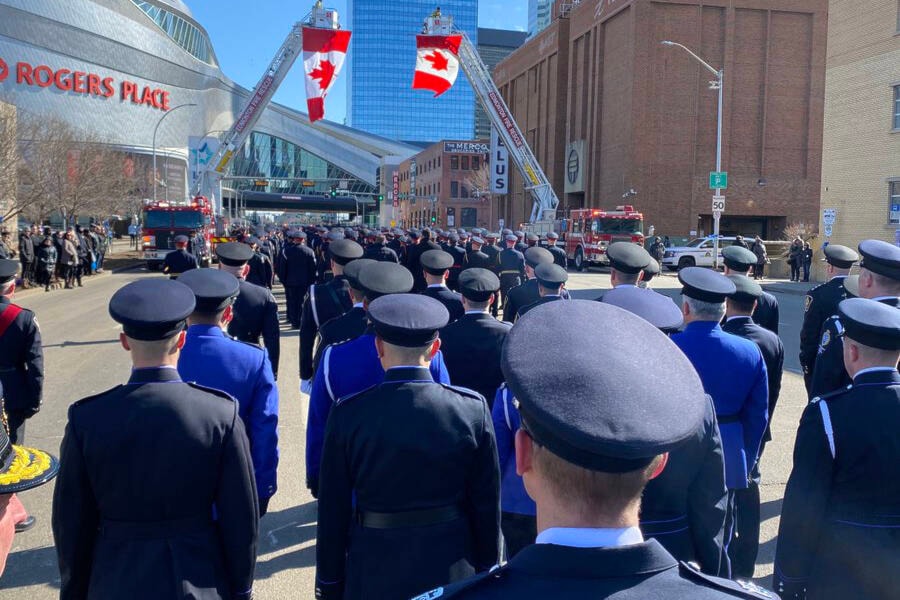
454,189
469,217
465,163
454,163
476,163
897,107
894,202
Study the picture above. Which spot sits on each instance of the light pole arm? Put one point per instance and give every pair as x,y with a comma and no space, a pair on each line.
155,130
708,66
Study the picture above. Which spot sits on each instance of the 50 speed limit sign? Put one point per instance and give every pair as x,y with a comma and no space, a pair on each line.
718,203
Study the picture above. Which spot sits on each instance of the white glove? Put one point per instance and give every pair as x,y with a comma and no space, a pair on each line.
305,386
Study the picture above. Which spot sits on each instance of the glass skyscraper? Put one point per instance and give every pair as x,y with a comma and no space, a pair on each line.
539,13
380,67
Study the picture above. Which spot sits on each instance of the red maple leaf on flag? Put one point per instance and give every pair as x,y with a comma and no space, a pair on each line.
324,72
438,61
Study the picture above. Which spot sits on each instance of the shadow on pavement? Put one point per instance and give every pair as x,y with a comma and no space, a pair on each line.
286,529
68,343
298,559
31,567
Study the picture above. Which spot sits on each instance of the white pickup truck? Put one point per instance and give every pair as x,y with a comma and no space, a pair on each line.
697,253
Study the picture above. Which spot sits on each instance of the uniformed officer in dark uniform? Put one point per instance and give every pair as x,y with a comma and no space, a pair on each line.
821,303
380,251
510,269
325,302
414,256
352,323
298,273
738,261
261,272
551,278
239,369
838,536
596,427
472,344
437,265
460,260
255,312
409,493
739,308
179,260
559,254
627,262
155,496
879,280
528,291
491,249
521,246
476,258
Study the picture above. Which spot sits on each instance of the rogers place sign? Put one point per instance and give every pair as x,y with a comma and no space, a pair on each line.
81,82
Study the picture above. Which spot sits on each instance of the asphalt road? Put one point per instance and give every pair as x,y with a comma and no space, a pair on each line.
83,357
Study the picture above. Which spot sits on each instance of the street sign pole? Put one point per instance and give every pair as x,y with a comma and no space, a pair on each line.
717,215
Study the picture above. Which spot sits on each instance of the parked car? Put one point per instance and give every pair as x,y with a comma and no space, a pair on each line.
697,253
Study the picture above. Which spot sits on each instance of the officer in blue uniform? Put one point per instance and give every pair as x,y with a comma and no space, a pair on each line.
738,261
155,496
437,265
473,343
241,370
261,272
409,492
738,321
255,312
352,366
596,427
839,535
551,278
325,302
179,260
529,291
821,303
879,280
733,374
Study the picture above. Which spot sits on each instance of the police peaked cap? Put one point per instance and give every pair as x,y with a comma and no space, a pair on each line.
234,254
651,270
839,256
871,323
152,309
657,309
536,255
8,270
881,258
478,284
343,251
705,285
627,257
550,275
213,289
435,262
746,290
353,269
738,258
600,408
181,239
383,278
408,320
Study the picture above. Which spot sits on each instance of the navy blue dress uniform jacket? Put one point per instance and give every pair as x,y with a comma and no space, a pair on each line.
381,253
821,302
179,261
21,363
298,267
344,328
829,373
256,315
406,445
155,496
243,372
414,262
472,346
766,314
450,299
323,303
478,260
559,256
261,272
635,572
734,374
840,523
521,296
460,262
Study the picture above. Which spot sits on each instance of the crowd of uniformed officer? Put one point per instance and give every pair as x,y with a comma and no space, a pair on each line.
433,426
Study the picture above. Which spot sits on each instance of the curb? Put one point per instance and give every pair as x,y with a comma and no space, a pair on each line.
33,290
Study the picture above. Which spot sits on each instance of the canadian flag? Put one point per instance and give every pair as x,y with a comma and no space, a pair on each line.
324,51
437,62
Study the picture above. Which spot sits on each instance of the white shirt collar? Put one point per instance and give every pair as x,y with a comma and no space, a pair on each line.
729,319
436,285
359,305
476,312
874,370
590,538
625,285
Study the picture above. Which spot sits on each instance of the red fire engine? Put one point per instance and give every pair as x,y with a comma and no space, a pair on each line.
589,231
161,222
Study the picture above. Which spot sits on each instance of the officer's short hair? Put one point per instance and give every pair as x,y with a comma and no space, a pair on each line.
409,355
886,283
744,305
627,278
707,311
472,305
154,348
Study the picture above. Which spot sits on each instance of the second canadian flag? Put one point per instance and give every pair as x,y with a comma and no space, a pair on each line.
437,62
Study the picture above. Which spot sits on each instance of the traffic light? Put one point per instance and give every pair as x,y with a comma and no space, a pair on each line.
380,198
433,219
334,191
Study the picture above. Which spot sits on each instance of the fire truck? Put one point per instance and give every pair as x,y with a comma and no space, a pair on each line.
163,221
588,232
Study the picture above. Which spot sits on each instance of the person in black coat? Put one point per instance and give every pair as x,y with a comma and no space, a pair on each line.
409,486
738,261
155,496
550,278
472,345
46,258
740,305
838,535
261,272
380,251
414,256
298,272
528,292
559,254
476,258
179,260
436,265
27,257
460,260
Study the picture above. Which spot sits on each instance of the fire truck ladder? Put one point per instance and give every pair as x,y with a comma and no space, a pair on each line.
210,177
545,200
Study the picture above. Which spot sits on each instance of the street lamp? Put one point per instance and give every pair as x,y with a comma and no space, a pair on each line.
155,129
717,84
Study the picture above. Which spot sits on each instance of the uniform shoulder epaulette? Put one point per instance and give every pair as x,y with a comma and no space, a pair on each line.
833,394
251,344
96,396
741,589
459,589
463,391
355,395
214,392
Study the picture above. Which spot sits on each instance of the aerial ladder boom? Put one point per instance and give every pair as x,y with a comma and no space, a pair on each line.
536,182
208,179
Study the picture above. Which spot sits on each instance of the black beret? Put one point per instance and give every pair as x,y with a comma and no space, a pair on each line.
657,309
181,239
746,290
343,251
705,285
152,309
627,257
213,289
738,258
871,323
536,255
477,284
383,278
8,270
880,257
550,275
352,270
511,238
651,270
477,240
408,320
620,416
839,256
234,254
436,262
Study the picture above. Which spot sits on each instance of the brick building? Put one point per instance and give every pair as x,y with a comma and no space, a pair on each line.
612,113
861,146
444,185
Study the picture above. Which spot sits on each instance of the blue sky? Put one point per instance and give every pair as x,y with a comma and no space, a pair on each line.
246,35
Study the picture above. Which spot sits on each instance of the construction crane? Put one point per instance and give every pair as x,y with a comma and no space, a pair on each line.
209,179
536,182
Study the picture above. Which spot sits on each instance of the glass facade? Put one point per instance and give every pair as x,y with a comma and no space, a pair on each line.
538,16
380,67
183,33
